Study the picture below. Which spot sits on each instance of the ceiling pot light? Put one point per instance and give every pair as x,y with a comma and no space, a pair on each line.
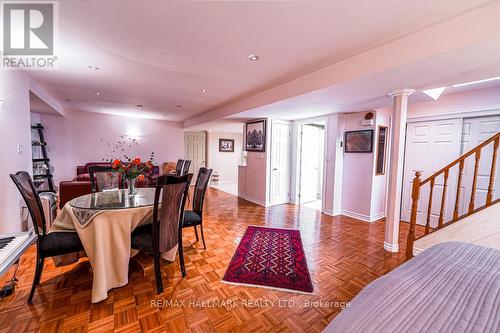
139,106
97,93
204,90
179,106
476,82
94,68
99,106
434,93
253,57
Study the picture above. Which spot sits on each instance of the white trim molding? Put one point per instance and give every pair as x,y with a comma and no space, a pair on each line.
362,217
401,92
391,247
330,212
255,201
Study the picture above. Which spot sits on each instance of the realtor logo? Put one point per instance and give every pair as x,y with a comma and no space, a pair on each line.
28,36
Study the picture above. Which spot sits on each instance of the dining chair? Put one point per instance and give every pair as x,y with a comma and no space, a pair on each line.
193,218
103,178
165,231
48,244
182,167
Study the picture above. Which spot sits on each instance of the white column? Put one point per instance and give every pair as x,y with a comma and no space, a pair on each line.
398,128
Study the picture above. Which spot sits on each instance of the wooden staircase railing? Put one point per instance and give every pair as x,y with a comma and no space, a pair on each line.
418,183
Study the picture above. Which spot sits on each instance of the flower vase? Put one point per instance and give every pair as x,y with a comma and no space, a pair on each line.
131,182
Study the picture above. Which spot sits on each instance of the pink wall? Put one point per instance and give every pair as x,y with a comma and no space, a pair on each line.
76,139
15,129
225,163
379,182
253,179
357,175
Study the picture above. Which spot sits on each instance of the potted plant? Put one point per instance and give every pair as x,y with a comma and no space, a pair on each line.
131,169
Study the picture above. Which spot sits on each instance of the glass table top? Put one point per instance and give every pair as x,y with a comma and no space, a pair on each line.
117,199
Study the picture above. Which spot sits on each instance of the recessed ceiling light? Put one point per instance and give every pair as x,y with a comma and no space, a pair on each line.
95,68
97,93
253,57
99,106
139,106
476,82
434,93
179,106
204,90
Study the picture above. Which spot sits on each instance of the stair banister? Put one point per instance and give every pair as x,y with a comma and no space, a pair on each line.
418,183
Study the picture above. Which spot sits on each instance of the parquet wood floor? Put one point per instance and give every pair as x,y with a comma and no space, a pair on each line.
343,256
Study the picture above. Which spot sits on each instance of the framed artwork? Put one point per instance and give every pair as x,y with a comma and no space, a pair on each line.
381,150
226,145
255,136
358,141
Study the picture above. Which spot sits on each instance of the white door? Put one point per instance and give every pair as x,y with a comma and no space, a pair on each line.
280,163
195,150
311,162
429,147
476,131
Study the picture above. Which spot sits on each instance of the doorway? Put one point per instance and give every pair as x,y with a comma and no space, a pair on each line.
280,163
311,164
195,150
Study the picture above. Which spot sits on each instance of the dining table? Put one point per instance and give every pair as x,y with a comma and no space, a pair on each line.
104,222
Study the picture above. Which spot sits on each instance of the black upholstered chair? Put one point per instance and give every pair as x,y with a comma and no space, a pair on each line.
194,218
104,177
165,231
48,244
182,167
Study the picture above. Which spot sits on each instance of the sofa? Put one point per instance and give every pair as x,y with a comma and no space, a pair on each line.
80,185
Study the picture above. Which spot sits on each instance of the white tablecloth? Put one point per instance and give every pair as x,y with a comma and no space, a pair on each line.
106,238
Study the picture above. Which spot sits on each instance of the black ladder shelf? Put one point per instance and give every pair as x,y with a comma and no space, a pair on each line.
47,177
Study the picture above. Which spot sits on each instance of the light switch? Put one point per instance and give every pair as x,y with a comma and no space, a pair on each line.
20,149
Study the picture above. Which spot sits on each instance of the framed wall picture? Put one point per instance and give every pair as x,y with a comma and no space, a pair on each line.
358,141
255,136
226,145
381,150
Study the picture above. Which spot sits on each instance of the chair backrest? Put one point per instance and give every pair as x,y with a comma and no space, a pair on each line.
200,189
182,167
169,212
25,185
103,178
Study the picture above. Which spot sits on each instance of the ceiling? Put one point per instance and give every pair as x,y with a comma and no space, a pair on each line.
38,105
162,54
478,61
221,125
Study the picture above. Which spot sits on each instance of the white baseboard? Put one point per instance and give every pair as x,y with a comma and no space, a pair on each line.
391,247
362,217
330,212
377,217
255,201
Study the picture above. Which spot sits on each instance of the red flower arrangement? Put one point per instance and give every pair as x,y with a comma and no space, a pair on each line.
132,168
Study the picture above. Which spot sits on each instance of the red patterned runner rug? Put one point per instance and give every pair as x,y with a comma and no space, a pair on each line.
270,258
